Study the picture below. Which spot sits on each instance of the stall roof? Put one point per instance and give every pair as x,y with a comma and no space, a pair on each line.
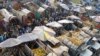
54,24
73,17
10,43
27,37
97,19
96,46
87,52
41,9
89,7
64,6
65,21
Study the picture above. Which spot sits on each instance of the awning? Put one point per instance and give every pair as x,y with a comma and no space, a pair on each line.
54,24
65,21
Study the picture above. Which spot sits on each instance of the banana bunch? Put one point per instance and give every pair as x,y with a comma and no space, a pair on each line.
39,52
75,41
63,36
76,33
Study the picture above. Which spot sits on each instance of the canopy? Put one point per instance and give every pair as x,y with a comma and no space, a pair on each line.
94,38
27,37
39,32
54,24
65,21
87,52
51,54
82,10
97,19
64,6
92,17
89,7
79,9
50,38
53,3
41,10
37,29
45,6
10,43
61,48
45,33
96,46
26,11
73,17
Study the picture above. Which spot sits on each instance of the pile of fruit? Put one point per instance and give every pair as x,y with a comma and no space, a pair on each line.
76,41
39,52
87,23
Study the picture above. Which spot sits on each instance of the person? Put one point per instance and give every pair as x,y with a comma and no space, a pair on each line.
12,27
3,34
30,23
78,23
1,38
1,5
91,28
21,30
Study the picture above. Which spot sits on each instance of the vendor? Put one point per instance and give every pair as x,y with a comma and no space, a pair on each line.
2,35
30,23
